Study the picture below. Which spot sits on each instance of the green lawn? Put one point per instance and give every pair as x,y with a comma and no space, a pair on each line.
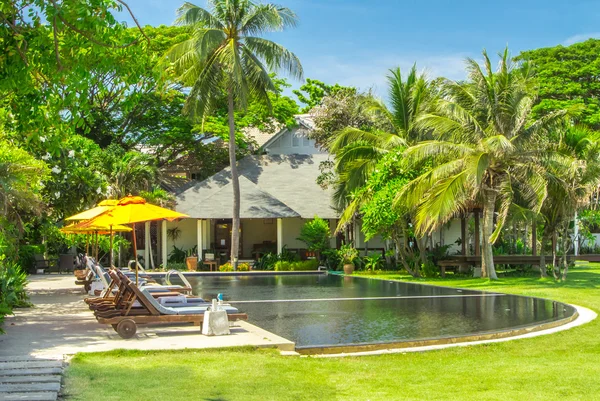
564,365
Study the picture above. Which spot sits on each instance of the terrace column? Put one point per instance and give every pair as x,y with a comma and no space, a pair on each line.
147,242
463,235
477,238
200,238
163,238
279,236
576,235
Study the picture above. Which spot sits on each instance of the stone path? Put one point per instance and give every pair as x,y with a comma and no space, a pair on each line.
28,378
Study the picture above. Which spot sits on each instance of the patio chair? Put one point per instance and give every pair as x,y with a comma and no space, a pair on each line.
151,311
66,263
44,264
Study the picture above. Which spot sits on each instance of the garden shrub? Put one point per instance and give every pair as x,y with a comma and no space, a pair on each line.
429,269
316,234
310,264
228,267
12,287
26,255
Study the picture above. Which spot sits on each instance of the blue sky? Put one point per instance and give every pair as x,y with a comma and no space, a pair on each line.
355,42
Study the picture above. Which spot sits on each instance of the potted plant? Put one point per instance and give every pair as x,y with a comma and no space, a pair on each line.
347,254
191,259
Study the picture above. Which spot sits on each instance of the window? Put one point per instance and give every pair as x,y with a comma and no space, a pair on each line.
295,140
305,141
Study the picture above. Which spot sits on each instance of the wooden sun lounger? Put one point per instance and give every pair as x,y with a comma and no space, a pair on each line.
124,319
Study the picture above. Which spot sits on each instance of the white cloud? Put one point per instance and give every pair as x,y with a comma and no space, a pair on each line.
582,37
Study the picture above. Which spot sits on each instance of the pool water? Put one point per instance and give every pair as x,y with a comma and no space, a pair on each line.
330,310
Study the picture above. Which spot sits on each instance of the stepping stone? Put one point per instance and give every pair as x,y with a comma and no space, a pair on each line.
28,387
32,363
28,397
31,371
30,379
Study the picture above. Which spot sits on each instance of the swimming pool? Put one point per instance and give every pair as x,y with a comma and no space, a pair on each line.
325,312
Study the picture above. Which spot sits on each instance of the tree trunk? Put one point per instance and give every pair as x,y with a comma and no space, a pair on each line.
565,249
487,257
543,242
554,264
235,181
400,251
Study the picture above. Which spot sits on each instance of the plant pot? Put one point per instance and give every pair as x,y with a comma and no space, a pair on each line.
192,263
348,268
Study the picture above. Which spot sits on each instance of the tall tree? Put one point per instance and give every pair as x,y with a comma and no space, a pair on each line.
225,52
567,77
487,153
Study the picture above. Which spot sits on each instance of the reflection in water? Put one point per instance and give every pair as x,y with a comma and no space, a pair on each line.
333,321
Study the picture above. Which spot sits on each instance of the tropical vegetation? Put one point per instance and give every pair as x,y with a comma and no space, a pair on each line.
226,57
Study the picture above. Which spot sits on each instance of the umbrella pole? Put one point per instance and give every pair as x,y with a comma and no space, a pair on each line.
135,261
110,253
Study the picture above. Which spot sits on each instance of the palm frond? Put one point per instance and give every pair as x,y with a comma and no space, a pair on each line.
275,56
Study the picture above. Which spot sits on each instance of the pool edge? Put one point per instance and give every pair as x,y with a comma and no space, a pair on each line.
581,316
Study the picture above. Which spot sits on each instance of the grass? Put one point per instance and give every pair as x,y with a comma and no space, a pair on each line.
562,366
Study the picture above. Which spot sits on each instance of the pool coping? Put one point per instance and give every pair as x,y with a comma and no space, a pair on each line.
580,317
243,273
447,341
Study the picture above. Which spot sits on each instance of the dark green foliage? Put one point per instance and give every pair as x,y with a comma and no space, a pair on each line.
316,234
266,262
177,255
12,287
332,259
27,253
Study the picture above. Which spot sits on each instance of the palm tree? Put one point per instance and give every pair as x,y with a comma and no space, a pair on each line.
226,54
357,151
573,174
487,152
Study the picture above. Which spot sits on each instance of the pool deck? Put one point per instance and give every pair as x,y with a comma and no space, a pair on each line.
61,324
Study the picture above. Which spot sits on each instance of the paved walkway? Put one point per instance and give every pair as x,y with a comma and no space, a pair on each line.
61,324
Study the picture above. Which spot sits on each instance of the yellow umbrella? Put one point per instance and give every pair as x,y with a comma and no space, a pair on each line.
102,207
79,228
131,210
93,229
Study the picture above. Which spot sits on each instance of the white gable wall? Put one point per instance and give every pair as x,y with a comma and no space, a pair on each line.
292,142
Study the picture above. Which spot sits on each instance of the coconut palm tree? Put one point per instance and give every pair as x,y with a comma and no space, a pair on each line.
488,151
358,151
226,54
573,174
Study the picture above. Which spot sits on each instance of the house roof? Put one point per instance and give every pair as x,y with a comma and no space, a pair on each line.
271,186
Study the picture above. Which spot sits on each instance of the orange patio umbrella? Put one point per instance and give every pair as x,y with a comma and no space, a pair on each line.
132,210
